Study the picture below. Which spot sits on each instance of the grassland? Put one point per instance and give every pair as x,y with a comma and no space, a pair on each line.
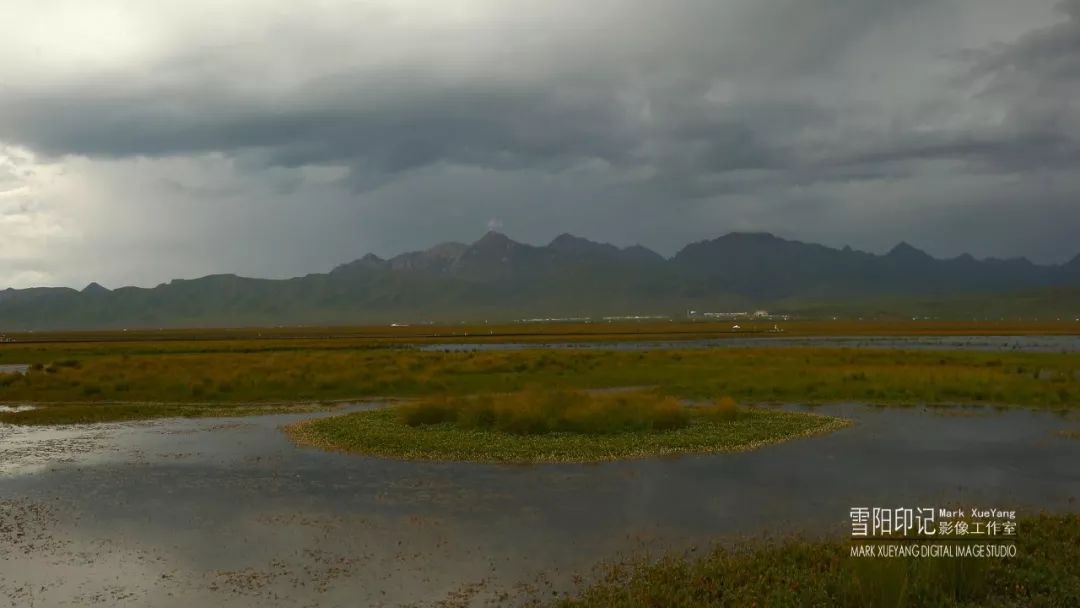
555,426
1044,573
224,373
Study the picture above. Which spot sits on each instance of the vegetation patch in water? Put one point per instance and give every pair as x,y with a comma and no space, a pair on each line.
556,426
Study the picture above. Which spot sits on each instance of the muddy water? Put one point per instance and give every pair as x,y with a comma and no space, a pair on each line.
226,512
1051,344
14,368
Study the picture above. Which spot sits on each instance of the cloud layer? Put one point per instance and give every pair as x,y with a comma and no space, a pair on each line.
143,141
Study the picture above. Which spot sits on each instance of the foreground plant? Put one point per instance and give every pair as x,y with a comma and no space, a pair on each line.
1044,573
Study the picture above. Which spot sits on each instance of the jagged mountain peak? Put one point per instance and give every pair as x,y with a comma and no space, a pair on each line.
738,243
760,235
568,239
369,262
568,243
903,249
495,245
437,259
743,236
494,238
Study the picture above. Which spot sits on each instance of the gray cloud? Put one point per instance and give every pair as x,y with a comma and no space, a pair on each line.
1038,77
398,125
632,88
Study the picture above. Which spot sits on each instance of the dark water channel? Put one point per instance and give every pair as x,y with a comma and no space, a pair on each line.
1050,344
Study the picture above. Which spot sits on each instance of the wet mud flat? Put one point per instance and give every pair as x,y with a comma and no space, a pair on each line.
227,512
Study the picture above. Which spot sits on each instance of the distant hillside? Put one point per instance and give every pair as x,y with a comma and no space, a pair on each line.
498,278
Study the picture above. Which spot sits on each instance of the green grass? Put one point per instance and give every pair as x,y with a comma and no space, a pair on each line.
387,433
1044,573
255,372
537,412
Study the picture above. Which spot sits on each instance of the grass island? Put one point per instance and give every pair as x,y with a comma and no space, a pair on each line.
551,426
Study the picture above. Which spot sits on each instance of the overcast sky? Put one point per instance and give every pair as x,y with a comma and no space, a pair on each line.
144,141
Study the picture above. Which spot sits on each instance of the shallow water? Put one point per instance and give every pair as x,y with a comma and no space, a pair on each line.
16,408
13,368
1052,344
227,512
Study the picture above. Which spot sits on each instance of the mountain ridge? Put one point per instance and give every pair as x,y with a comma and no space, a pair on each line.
499,277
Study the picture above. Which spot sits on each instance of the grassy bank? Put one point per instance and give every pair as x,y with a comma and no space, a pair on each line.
117,412
1044,573
531,435
327,372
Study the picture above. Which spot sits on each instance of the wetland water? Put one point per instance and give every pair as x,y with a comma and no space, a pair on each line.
226,512
1048,344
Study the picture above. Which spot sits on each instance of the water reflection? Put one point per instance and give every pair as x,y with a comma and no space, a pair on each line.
228,512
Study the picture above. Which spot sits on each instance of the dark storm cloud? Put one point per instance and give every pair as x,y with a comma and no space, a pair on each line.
1038,77
544,125
1036,82
982,152
1047,56
383,126
636,98
474,123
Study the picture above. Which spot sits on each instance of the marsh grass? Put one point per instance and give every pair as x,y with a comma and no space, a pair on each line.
822,573
896,583
387,433
302,371
782,374
537,412
723,409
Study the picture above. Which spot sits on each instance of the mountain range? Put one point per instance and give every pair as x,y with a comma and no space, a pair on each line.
498,278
